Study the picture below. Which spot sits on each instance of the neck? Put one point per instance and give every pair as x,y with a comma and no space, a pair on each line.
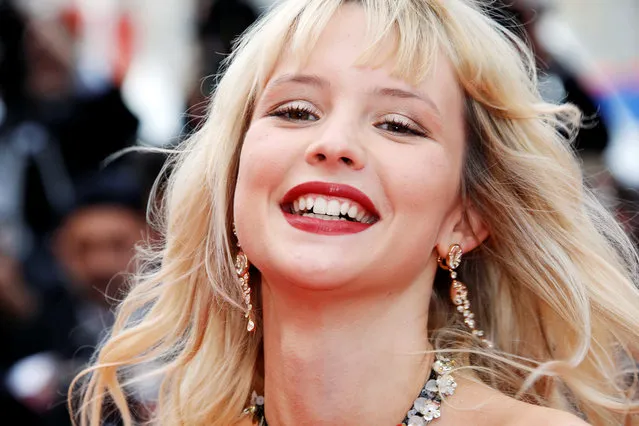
331,360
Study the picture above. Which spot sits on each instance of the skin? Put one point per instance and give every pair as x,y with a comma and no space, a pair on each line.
95,246
345,317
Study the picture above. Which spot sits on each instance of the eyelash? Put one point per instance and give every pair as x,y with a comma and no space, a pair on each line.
403,127
286,112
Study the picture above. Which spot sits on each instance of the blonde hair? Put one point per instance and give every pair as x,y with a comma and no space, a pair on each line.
553,283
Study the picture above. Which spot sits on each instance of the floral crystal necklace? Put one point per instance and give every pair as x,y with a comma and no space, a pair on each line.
425,409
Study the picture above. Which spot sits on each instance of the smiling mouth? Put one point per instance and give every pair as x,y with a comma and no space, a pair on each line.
330,208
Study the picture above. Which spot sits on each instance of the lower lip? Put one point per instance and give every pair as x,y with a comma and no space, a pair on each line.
325,227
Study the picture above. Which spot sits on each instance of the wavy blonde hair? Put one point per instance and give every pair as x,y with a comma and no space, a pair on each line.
555,282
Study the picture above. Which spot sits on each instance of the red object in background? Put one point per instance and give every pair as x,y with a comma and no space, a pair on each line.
124,53
72,20
124,35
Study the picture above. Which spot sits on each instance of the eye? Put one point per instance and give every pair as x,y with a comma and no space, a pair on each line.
296,111
401,126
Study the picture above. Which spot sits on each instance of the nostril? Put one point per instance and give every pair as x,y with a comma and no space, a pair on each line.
346,161
321,157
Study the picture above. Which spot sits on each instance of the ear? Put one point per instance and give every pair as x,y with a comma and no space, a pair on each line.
466,227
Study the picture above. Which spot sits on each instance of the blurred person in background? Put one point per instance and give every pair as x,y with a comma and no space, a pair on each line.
53,128
93,247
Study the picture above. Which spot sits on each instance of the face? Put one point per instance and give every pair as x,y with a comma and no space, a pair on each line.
377,159
95,246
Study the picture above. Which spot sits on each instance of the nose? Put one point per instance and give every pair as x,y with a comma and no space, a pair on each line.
337,145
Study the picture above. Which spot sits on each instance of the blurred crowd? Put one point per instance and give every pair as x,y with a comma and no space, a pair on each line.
69,221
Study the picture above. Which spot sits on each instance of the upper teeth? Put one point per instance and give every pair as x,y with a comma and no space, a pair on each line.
334,207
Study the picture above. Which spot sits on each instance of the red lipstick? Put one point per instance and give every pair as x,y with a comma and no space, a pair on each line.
327,227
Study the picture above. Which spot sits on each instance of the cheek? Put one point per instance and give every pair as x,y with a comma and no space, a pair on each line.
266,152
270,153
265,160
259,165
421,185
252,158
421,180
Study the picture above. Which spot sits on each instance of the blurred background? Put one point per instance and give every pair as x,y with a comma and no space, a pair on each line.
83,79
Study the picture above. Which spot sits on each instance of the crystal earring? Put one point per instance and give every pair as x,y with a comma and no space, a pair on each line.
242,271
459,292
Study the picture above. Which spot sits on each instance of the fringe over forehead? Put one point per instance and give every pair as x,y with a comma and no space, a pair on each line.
293,27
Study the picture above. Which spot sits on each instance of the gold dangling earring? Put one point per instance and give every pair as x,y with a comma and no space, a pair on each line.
242,271
459,292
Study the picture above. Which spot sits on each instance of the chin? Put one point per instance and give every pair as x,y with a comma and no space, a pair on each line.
305,260
315,270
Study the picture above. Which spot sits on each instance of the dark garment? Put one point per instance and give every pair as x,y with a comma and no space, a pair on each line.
86,135
20,340
66,328
593,137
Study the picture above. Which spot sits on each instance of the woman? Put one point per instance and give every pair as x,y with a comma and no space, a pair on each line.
371,156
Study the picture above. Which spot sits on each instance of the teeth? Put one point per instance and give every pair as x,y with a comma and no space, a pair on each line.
320,206
330,209
333,208
352,212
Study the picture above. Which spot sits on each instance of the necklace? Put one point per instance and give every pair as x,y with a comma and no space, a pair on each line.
425,409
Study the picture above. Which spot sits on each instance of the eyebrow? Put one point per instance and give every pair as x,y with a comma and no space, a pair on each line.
309,79
404,94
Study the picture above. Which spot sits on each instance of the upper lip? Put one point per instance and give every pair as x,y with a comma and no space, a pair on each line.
331,189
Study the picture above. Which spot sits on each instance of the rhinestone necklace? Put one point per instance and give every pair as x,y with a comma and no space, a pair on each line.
425,409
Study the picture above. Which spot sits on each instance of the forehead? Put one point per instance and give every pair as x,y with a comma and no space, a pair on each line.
347,40
405,37
411,50
105,221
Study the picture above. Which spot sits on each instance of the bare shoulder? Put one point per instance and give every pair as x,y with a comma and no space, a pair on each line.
530,415
479,405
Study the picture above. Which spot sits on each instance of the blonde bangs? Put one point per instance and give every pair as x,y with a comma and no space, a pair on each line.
415,51
417,46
